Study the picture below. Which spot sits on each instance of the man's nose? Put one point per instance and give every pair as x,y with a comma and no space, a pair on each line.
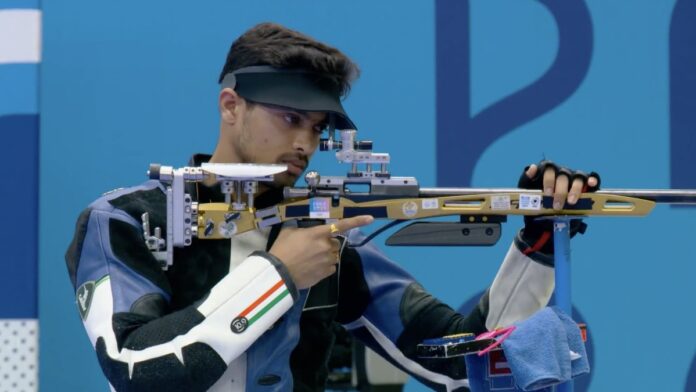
305,141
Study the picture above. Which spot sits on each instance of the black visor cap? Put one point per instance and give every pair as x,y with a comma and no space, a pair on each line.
293,89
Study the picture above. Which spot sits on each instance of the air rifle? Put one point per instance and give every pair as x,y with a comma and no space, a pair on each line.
371,191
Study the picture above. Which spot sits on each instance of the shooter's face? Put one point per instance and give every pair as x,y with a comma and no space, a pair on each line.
274,134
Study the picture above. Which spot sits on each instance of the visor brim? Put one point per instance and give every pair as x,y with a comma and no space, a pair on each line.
296,90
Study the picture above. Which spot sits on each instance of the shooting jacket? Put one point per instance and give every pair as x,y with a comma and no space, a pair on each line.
227,316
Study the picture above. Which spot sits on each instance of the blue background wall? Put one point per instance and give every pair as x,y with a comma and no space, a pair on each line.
20,58
129,83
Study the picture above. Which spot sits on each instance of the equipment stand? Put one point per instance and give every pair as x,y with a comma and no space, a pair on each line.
561,256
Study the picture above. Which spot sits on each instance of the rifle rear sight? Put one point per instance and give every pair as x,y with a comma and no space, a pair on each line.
349,150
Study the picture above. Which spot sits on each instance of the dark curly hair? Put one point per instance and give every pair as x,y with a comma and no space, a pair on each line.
277,46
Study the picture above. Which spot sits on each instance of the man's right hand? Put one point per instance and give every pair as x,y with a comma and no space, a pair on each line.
311,254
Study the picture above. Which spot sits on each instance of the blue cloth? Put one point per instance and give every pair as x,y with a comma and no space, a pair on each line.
538,351
581,365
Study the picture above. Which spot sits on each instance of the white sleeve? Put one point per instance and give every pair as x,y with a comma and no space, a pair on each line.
521,287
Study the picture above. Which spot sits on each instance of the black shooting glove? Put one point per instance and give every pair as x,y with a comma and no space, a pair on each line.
537,233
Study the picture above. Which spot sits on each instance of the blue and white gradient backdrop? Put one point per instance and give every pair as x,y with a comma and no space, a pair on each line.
20,55
127,83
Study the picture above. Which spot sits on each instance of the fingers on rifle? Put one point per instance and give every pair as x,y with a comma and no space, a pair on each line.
531,171
575,190
592,182
549,180
344,225
561,192
335,245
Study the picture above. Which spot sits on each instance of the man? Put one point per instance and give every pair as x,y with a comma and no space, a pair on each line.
256,312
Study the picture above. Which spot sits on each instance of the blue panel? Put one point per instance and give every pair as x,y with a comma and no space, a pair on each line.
617,122
462,138
512,44
18,88
24,4
453,92
682,82
691,378
18,248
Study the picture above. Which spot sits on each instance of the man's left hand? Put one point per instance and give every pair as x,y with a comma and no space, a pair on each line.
565,185
561,183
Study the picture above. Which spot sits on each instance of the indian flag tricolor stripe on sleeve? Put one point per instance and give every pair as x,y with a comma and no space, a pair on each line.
260,307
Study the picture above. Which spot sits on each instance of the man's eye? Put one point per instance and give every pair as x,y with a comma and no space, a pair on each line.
292,119
319,128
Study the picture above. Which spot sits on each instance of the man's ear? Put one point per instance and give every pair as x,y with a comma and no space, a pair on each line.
230,105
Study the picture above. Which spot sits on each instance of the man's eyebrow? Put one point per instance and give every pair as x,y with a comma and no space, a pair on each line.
324,122
302,113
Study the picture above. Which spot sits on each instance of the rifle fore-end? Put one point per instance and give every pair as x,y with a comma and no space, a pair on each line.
219,220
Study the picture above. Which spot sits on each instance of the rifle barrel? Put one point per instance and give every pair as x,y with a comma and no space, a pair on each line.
666,196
